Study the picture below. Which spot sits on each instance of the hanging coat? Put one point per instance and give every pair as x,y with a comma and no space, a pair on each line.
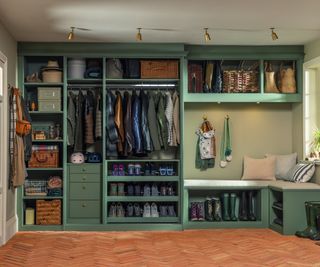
162,121
136,123
71,119
176,122
169,116
78,145
152,121
147,145
129,139
118,120
112,134
88,116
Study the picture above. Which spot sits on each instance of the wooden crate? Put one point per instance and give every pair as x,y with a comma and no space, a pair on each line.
159,69
48,212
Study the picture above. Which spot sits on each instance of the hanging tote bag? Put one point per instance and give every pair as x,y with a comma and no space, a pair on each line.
288,80
270,82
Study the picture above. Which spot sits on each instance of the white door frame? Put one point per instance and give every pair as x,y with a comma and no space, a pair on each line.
3,150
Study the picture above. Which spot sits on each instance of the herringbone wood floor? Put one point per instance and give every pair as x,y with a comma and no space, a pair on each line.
237,247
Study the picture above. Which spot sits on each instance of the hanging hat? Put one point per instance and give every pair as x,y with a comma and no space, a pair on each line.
52,65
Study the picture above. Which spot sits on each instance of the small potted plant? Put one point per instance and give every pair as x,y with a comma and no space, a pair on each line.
315,154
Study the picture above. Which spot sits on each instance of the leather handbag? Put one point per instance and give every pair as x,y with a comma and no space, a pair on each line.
114,69
23,127
270,81
288,80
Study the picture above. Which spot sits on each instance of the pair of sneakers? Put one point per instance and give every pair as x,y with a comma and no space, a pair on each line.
150,211
166,190
150,191
134,190
116,189
166,170
133,210
118,170
167,211
116,210
134,169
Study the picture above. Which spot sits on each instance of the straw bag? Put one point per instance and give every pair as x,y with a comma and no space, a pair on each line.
270,82
288,80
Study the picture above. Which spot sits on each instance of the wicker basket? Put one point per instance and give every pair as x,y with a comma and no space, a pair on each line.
52,76
44,159
240,81
159,69
48,212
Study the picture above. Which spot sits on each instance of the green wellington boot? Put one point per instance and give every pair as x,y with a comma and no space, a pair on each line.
225,204
233,198
312,210
316,236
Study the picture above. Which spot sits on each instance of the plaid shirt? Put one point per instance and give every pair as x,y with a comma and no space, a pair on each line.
12,132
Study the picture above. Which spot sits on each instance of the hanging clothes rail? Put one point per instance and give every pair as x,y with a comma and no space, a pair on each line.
142,86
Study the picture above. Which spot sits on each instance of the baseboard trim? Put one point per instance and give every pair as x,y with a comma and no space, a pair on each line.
11,228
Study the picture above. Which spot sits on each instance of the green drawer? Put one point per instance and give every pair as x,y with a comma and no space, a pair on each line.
89,191
84,177
85,168
49,105
49,93
84,209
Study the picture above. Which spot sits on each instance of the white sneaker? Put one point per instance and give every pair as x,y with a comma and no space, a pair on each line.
146,210
154,210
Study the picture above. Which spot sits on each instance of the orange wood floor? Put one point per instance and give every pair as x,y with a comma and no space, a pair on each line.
237,247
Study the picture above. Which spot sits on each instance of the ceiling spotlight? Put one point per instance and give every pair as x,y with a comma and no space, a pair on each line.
71,34
139,35
274,35
207,36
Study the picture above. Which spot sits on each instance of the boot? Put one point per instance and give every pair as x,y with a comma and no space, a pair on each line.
251,216
225,204
208,206
311,210
233,198
316,236
193,211
243,207
200,211
113,189
121,189
217,209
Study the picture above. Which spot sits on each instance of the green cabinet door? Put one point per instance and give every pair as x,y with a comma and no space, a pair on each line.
84,177
84,168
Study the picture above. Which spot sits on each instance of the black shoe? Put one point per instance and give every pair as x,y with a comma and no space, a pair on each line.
243,213
251,216
208,209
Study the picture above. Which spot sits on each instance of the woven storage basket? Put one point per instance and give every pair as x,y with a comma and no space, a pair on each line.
52,76
35,187
240,81
48,212
159,69
44,159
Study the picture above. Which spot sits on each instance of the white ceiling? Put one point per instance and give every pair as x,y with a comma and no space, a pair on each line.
232,22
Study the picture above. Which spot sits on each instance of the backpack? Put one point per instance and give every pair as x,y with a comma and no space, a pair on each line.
114,69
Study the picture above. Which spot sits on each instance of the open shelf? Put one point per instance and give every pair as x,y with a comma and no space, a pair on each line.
142,220
223,224
44,169
143,199
85,81
42,84
48,141
143,178
42,197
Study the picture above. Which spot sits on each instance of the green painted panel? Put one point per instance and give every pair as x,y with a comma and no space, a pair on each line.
84,168
41,228
143,178
84,209
238,224
142,220
125,227
84,177
84,191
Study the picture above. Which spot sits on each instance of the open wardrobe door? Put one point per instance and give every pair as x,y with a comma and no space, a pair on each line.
3,147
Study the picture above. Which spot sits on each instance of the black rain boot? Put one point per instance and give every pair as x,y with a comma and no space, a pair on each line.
316,236
217,209
208,208
233,198
251,216
243,207
312,210
225,204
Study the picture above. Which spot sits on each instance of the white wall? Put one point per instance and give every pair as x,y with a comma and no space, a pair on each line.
8,46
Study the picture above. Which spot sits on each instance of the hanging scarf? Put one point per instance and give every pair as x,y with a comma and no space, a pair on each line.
225,149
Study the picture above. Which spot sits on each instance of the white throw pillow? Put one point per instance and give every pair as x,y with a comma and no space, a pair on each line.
301,173
283,164
258,169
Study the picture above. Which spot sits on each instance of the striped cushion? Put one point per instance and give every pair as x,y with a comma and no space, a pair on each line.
301,173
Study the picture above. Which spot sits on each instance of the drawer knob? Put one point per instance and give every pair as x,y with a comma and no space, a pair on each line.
84,178
83,187
83,169
84,205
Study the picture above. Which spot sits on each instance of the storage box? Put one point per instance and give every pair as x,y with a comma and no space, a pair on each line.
76,68
48,212
49,105
159,69
52,76
49,93
44,157
30,216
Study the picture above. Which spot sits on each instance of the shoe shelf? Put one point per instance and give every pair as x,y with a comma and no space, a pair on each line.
143,178
143,219
143,199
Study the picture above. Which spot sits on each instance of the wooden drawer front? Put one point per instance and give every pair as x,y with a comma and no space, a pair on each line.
84,178
84,191
85,168
84,209
51,93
